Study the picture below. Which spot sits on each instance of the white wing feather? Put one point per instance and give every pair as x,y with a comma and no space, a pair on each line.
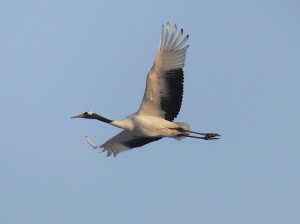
91,143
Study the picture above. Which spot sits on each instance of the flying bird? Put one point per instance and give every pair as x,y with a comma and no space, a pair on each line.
161,102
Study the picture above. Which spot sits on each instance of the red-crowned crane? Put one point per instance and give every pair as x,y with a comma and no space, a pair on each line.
161,102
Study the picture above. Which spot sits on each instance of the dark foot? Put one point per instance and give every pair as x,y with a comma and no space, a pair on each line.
211,136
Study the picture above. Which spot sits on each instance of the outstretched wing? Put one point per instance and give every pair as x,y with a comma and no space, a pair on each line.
124,141
164,88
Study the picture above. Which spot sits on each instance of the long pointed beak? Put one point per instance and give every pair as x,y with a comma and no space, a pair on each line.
78,116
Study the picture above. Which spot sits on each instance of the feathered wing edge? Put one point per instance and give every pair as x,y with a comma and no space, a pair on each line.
123,141
165,42
170,51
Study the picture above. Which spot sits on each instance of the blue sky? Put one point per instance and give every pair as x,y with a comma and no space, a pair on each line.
62,58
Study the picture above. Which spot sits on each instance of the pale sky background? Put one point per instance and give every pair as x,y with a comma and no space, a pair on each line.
242,80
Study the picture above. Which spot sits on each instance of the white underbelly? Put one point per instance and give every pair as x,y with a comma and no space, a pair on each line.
153,126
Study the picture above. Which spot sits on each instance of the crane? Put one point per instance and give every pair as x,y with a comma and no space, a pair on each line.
161,102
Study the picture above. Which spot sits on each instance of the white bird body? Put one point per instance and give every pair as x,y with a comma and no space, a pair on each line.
150,126
160,105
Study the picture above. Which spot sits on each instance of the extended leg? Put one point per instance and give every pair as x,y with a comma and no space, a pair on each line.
207,136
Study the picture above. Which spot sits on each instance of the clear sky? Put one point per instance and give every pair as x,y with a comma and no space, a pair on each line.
242,80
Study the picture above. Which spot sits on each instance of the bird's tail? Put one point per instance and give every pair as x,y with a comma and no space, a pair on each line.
184,126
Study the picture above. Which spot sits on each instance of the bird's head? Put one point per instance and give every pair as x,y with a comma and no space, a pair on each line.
88,115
